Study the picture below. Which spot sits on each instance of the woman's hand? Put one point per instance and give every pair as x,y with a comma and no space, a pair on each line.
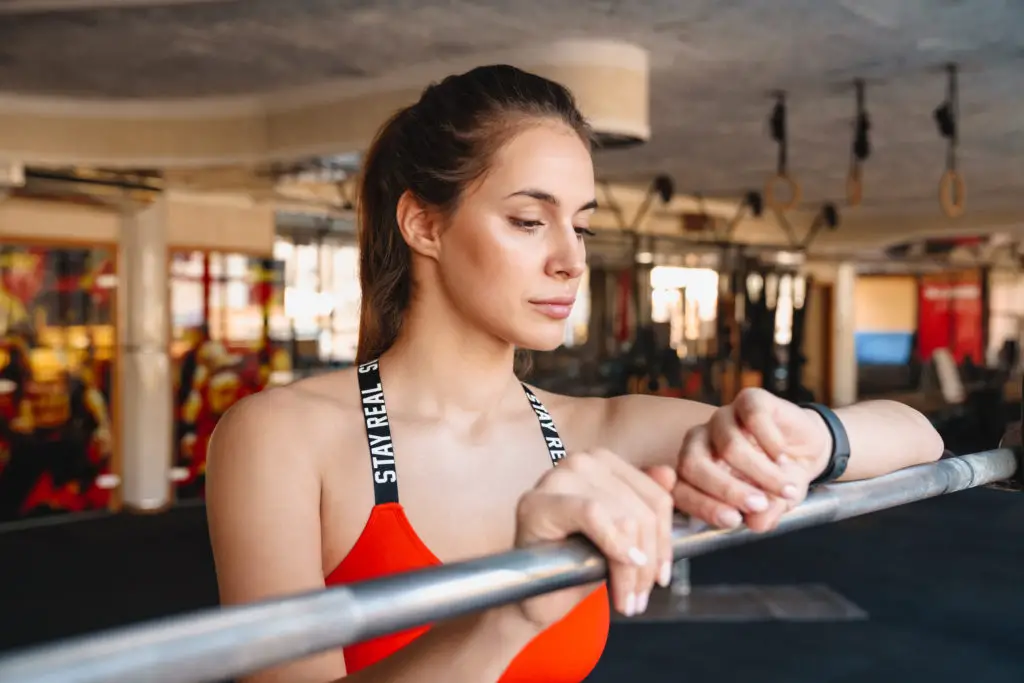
751,462
626,512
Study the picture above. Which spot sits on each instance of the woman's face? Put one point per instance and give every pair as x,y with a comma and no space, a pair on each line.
512,257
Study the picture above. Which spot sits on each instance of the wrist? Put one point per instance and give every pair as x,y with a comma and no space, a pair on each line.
823,459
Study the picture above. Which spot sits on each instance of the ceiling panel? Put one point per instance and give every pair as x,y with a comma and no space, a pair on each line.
713,64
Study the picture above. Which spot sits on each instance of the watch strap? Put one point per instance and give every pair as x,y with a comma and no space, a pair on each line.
840,456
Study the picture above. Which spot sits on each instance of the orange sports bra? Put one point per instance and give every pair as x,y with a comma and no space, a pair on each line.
564,653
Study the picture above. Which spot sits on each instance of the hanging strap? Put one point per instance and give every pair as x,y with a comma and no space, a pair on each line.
952,188
777,126
860,150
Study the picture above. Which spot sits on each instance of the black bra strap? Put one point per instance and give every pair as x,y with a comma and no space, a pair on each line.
378,434
381,445
556,449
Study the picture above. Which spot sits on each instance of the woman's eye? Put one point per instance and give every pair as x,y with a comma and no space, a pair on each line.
585,231
524,224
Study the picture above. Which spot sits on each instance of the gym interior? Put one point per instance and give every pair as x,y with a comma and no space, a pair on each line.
818,199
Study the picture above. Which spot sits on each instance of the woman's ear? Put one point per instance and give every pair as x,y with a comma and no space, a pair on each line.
420,226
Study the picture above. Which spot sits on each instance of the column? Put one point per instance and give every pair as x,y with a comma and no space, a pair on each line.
143,337
844,354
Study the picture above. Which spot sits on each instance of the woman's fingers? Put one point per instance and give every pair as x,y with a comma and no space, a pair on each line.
625,578
647,506
755,410
769,519
652,491
702,471
618,507
734,446
706,508
550,516
666,478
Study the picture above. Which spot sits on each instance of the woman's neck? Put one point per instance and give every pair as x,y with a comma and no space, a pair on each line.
441,367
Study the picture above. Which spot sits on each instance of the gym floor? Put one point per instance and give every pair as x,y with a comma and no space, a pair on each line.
942,582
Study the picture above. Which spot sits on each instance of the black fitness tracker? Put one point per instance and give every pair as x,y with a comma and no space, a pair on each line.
840,457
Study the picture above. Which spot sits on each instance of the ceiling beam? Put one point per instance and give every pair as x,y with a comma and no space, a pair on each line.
49,6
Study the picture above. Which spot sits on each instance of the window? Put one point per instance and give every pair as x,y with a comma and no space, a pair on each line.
687,299
321,296
57,353
227,312
1006,312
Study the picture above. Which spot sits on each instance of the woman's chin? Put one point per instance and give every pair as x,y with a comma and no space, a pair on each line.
541,340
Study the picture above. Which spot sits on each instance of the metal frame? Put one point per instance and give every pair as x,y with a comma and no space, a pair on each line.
217,644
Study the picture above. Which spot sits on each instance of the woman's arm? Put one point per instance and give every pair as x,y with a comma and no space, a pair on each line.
263,506
884,435
752,460
263,511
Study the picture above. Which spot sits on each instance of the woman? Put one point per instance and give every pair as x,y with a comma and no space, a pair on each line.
474,207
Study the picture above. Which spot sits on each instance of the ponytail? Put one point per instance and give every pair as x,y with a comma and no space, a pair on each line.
384,258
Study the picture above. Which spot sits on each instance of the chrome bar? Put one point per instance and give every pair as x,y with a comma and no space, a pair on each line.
217,644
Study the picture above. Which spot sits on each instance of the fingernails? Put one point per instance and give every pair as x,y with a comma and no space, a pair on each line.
631,604
641,602
665,575
637,556
757,502
729,519
790,491
784,460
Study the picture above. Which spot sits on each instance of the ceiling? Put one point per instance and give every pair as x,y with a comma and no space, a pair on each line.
713,64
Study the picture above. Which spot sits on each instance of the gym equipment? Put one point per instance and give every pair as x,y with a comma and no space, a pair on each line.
661,186
218,644
860,150
827,217
952,188
777,127
752,201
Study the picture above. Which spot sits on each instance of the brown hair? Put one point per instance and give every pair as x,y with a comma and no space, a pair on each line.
435,149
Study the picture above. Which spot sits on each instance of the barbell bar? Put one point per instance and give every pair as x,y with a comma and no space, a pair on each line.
222,643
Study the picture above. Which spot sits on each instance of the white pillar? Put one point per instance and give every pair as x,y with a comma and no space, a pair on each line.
844,354
143,320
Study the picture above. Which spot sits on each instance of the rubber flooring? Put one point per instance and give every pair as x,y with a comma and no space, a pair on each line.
942,582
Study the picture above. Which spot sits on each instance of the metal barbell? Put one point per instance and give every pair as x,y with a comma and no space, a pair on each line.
222,643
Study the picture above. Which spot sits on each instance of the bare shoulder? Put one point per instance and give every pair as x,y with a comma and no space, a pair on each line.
643,429
573,413
289,427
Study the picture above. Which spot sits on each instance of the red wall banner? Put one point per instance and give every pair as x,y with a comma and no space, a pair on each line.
950,315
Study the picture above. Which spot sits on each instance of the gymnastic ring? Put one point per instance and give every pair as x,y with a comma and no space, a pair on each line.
769,192
854,188
952,180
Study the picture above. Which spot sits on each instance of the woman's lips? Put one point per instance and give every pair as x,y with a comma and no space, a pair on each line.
558,308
